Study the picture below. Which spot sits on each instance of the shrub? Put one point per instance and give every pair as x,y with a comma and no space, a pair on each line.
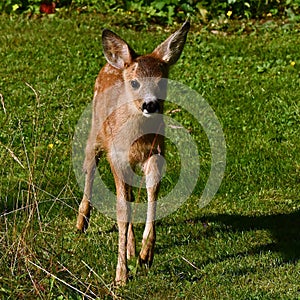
166,11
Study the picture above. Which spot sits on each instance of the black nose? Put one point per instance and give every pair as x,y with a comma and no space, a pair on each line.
150,107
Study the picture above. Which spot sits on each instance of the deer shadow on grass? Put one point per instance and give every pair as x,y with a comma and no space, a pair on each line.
284,228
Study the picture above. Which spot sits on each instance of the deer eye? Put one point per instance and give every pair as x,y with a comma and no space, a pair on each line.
135,84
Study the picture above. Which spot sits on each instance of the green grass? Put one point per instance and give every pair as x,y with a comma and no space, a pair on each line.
244,245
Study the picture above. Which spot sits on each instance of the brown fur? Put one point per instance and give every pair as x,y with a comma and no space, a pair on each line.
122,114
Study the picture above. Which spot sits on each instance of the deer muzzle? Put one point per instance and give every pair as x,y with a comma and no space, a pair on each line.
150,107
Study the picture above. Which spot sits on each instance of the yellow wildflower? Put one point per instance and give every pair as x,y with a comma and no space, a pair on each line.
50,146
229,13
293,63
15,7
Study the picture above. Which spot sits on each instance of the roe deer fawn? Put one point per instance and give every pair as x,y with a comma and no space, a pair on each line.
128,98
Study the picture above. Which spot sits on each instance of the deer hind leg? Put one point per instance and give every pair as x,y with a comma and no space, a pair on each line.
152,171
91,160
130,233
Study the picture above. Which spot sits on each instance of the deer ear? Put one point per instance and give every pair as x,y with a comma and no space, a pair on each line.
116,51
170,50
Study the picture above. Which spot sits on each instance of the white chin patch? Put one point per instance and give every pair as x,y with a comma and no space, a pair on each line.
147,114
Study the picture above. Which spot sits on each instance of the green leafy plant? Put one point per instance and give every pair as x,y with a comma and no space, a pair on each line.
167,11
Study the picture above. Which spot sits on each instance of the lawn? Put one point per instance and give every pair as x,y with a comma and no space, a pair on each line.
245,244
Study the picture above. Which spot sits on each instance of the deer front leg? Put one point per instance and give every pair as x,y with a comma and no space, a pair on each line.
122,272
147,252
130,233
152,171
123,216
85,205
130,242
